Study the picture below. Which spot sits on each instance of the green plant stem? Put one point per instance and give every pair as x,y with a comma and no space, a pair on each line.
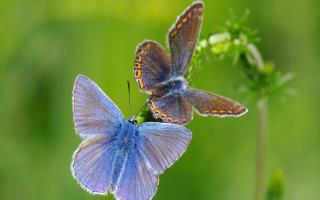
261,148
238,42
262,131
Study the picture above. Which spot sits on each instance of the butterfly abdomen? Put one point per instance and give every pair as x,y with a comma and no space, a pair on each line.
125,142
118,164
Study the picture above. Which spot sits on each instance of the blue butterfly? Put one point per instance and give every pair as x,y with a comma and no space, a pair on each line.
161,75
118,156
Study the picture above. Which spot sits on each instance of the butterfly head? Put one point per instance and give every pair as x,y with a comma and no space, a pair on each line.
133,120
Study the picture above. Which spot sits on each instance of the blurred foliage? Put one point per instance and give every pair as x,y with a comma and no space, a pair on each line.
237,41
275,187
146,116
44,44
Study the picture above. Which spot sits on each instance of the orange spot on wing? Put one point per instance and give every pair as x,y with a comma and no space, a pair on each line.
173,33
179,25
169,118
189,15
139,59
222,111
148,46
153,105
159,113
138,65
138,73
184,20
163,115
141,84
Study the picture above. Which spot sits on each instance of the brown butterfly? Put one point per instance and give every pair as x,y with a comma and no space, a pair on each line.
161,75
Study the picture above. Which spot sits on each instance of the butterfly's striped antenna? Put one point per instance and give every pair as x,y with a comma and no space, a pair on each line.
133,118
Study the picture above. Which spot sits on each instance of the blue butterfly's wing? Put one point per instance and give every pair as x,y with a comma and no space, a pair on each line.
162,144
94,113
97,120
211,104
159,145
183,37
171,108
136,181
92,164
152,65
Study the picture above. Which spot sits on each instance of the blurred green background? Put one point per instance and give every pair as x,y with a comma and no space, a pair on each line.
44,44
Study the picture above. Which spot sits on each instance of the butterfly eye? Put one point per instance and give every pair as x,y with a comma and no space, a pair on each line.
133,121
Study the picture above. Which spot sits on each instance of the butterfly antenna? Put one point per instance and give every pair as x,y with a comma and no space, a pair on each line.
141,109
129,96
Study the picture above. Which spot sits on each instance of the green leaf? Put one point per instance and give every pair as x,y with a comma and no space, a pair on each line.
275,188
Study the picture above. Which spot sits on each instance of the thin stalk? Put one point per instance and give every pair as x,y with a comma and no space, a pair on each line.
262,131
254,60
261,149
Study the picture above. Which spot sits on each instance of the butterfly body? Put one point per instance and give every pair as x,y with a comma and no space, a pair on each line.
174,85
118,156
126,137
162,75
124,142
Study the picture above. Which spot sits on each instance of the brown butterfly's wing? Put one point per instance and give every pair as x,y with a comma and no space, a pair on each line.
171,108
152,65
211,104
183,37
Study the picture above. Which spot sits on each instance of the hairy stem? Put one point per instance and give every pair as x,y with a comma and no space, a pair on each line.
261,148
238,42
262,134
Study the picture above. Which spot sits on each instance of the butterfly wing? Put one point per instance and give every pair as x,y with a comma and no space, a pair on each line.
159,146
136,181
92,164
97,120
183,37
171,108
162,144
94,113
211,104
152,65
